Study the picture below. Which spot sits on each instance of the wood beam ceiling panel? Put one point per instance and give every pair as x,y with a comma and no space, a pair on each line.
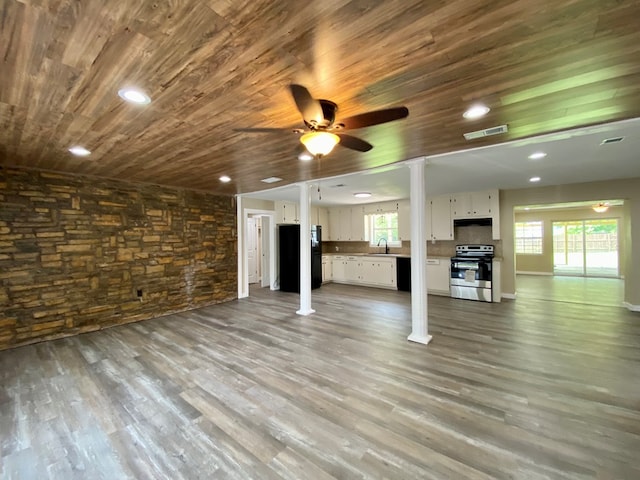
214,65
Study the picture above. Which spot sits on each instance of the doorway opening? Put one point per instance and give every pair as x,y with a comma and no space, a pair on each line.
586,248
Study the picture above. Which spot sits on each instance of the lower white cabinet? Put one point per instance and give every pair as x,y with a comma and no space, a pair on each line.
438,276
327,269
338,264
352,269
363,270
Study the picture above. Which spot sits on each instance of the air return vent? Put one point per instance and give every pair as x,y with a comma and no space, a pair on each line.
607,141
271,180
486,132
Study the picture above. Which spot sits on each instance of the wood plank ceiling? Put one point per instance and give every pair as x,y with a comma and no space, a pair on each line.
210,66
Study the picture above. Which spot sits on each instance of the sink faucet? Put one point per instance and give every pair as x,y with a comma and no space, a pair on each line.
386,245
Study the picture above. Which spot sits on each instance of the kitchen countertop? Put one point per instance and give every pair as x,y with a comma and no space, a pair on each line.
392,255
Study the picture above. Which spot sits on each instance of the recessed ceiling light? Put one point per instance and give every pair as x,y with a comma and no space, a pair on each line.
134,96
534,179
527,208
537,155
305,156
79,151
225,179
271,180
476,111
362,195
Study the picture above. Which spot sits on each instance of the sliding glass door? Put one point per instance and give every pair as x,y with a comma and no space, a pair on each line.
586,248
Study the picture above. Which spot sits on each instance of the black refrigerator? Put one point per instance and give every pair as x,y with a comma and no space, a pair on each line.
289,249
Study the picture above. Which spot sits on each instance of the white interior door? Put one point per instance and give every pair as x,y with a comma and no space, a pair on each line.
252,261
266,251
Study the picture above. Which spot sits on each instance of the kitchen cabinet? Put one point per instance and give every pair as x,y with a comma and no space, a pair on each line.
381,207
438,276
323,219
286,212
379,271
404,220
439,221
346,223
357,224
474,204
327,264
352,269
365,270
338,264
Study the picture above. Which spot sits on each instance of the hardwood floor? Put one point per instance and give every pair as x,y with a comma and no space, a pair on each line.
523,389
558,288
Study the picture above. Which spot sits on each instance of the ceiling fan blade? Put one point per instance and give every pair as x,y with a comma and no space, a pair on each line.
262,130
375,118
354,143
309,107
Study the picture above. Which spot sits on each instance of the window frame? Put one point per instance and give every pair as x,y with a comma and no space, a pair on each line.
525,241
371,230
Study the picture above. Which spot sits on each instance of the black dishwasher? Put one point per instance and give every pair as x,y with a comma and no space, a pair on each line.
403,273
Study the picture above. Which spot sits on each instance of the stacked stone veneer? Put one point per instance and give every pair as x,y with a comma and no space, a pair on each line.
79,254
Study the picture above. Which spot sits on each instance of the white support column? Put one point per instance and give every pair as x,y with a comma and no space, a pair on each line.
243,283
305,250
419,311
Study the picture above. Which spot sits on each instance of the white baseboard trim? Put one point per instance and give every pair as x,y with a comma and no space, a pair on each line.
509,296
631,306
424,339
522,272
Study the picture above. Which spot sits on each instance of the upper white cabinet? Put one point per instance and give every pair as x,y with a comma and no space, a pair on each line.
287,212
439,220
346,223
404,219
357,223
474,204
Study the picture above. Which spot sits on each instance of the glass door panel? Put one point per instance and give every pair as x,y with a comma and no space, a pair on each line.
568,248
586,248
601,248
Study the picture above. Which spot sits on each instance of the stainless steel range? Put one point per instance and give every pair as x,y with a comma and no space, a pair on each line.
471,271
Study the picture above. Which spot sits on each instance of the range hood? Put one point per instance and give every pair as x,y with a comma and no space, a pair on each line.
466,222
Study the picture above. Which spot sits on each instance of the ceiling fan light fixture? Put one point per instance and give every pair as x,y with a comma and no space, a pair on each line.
319,143
600,207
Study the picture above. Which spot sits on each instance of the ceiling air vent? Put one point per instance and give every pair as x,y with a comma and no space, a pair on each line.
271,179
486,132
607,141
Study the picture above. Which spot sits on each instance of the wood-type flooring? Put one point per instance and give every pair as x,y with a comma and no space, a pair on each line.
524,389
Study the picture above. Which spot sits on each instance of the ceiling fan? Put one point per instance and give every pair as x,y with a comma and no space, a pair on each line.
322,132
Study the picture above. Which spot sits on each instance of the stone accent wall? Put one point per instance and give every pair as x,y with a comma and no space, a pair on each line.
79,254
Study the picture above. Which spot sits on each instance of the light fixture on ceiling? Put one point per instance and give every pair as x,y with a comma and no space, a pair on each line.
133,95
600,207
362,195
225,179
79,151
534,179
537,155
305,156
476,111
319,143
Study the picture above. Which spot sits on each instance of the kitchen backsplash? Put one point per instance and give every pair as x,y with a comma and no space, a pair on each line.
472,234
